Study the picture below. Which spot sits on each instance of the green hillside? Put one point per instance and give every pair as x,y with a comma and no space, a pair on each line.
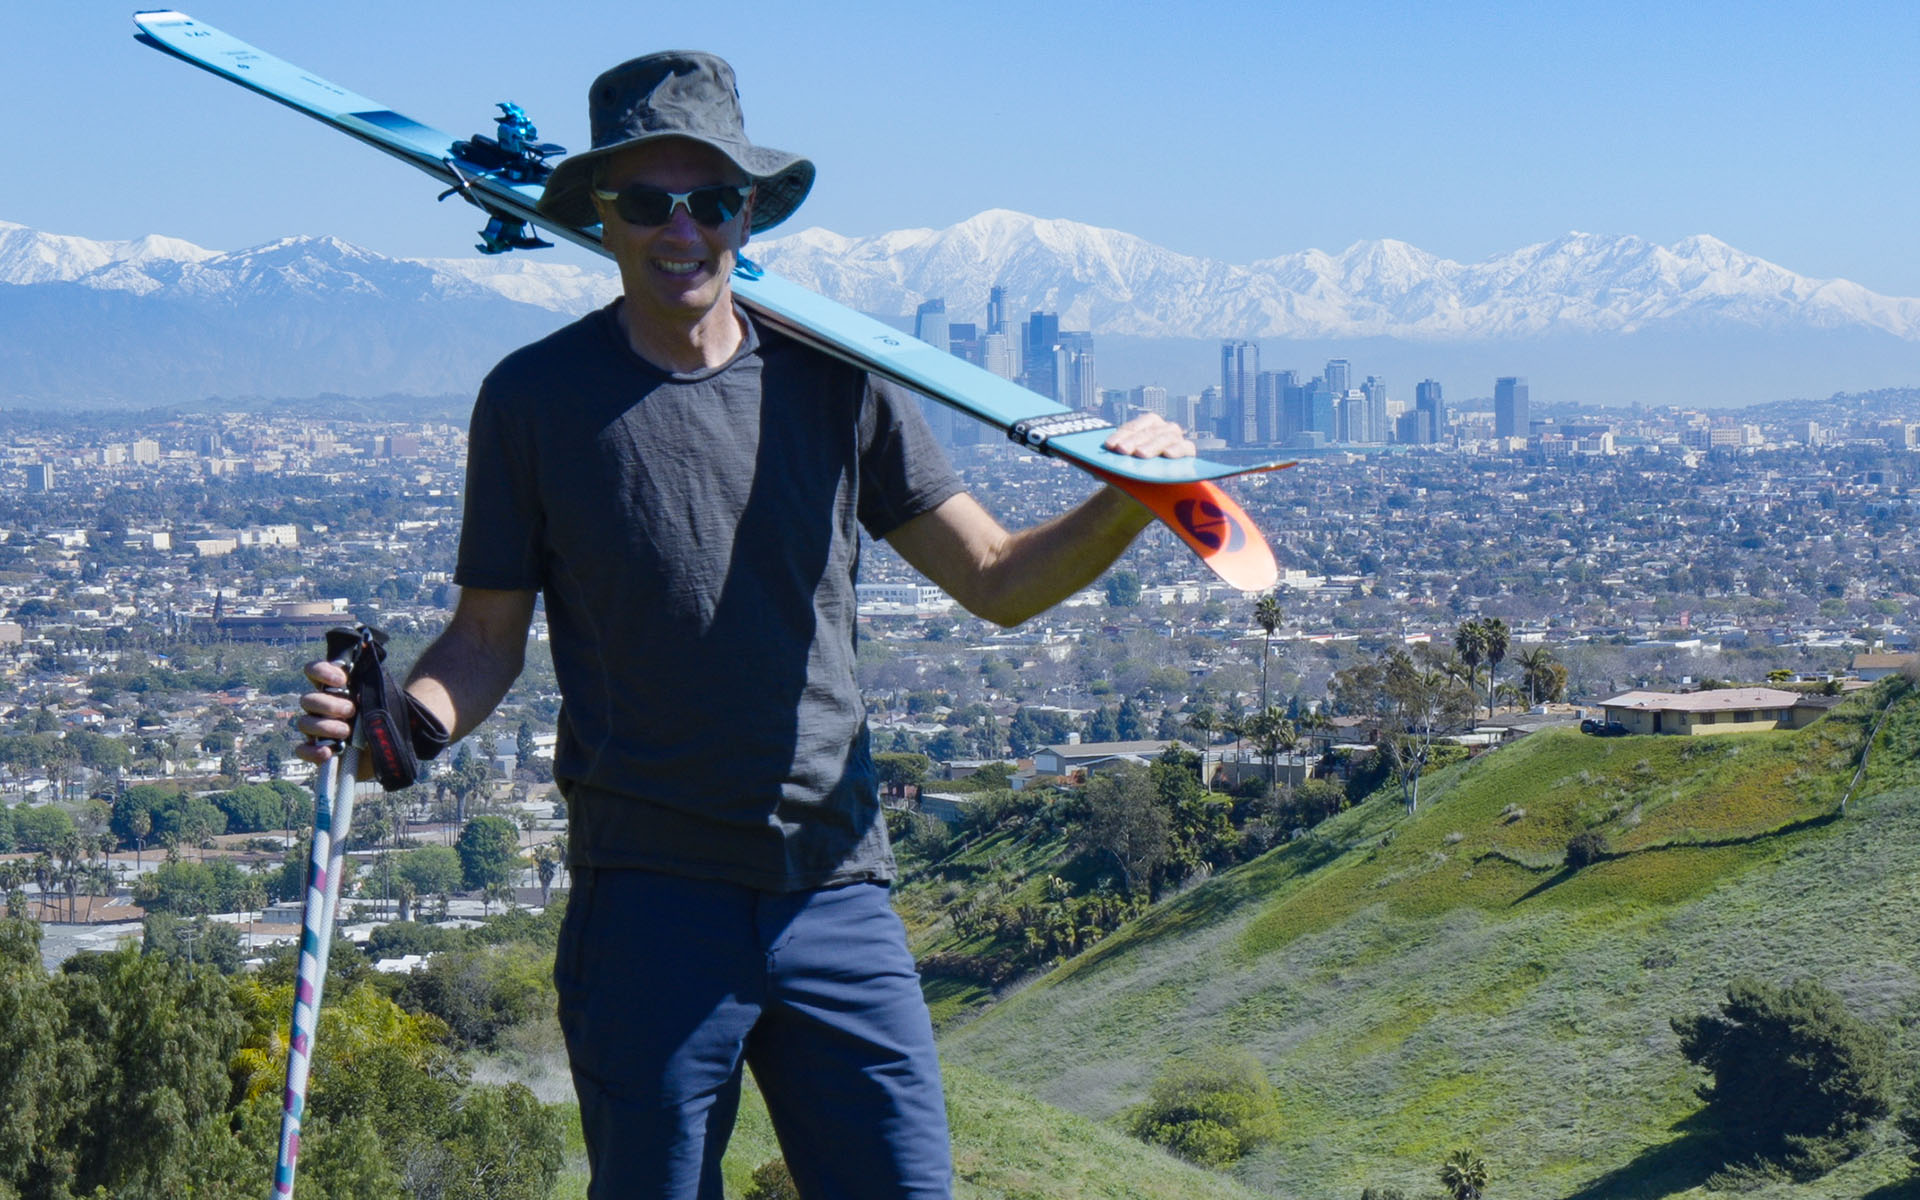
1417,984
1006,1146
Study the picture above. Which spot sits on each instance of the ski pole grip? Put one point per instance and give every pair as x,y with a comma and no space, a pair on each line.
343,647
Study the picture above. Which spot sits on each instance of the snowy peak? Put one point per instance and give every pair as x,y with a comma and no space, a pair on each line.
1113,282
1100,279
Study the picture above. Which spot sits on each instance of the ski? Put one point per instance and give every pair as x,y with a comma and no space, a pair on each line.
503,176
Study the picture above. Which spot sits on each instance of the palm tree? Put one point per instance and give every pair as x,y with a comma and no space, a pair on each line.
1266,614
1496,634
1205,722
1464,1174
1274,735
1534,661
547,861
1470,643
141,825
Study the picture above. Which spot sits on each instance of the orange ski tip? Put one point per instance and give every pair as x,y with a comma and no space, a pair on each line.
1212,524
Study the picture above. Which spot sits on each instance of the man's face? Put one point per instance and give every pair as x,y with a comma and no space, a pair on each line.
676,272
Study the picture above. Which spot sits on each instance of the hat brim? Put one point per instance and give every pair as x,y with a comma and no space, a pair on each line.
780,181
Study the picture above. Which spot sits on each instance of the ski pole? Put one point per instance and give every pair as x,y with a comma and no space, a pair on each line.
332,818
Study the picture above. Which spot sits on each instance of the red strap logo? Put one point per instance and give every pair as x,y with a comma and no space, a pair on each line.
1210,525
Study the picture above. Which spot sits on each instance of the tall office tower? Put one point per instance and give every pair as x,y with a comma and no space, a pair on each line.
930,324
1510,406
1114,403
39,477
963,341
1355,419
996,309
1078,386
1239,371
1269,400
1374,393
1043,336
1339,376
997,355
1207,414
1320,411
1150,398
1294,416
1430,412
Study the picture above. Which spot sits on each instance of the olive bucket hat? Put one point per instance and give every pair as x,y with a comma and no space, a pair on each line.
674,94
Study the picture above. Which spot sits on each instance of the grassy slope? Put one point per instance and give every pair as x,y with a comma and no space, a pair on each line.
1419,984
1006,1146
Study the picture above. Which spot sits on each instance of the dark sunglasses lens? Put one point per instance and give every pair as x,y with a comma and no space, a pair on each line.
710,206
714,206
643,206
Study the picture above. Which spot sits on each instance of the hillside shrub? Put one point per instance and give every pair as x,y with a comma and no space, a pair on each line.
1585,849
1210,1110
772,1181
1797,1080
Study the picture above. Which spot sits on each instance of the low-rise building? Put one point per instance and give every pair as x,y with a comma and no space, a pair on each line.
1722,710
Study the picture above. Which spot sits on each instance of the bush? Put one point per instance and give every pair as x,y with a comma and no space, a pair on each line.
1210,1110
772,1181
1797,1079
1585,849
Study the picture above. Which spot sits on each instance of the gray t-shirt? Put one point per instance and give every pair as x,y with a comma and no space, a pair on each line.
697,539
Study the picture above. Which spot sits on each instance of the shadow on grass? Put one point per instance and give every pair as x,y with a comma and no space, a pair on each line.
1906,1189
1663,1170
1550,882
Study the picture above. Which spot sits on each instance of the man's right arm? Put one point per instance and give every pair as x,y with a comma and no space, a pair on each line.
460,677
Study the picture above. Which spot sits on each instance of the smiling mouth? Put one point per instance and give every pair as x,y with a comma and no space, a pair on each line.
675,266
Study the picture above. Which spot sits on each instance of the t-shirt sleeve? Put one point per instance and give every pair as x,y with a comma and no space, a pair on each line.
903,470
504,526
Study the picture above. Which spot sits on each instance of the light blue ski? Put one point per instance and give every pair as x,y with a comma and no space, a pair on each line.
503,177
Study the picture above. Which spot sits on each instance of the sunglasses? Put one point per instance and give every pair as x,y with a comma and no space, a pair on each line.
712,207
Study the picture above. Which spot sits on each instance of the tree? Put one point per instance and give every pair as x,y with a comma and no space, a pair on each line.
1205,722
1273,735
898,772
489,851
431,870
1494,632
1126,823
1123,589
1470,643
1266,614
1797,1080
1544,678
1464,1174
1210,1110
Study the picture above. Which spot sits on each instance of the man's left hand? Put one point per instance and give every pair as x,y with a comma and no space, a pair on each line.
1151,436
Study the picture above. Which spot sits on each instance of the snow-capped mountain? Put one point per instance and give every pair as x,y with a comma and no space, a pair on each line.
159,320
1112,282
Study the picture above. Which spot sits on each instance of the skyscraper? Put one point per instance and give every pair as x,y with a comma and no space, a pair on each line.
1430,412
1339,376
1043,337
1078,387
930,324
1510,406
996,309
1269,402
1239,370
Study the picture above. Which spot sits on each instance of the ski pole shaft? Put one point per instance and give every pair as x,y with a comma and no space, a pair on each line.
332,818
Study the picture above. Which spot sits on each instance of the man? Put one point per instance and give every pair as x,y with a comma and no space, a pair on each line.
687,489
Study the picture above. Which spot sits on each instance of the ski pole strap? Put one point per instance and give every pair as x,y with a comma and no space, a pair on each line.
1035,431
398,730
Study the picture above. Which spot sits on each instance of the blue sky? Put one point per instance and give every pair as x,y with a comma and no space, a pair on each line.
1237,131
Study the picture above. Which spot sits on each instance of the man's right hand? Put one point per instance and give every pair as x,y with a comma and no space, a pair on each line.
328,722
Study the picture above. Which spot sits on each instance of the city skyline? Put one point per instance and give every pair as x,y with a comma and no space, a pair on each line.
1647,120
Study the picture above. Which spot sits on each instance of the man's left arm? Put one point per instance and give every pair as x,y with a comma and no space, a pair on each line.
1008,577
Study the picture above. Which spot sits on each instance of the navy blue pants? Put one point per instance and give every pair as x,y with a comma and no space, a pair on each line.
668,986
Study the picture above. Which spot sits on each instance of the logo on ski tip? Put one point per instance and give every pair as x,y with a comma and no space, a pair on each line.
1210,525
